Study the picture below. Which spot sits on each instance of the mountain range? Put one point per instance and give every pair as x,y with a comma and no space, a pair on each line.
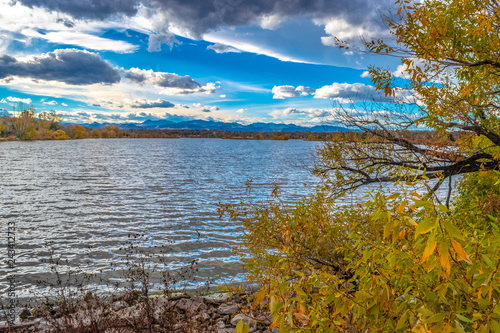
211,125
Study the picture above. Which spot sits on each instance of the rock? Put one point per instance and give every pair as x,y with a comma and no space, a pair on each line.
118,296
190,306
160,301
226,309
246,320
202,317
118,305
226,330
220,324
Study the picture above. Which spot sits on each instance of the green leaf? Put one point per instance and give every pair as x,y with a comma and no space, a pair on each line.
464,319
425,226
453,231
401,321
495,326
488,261
393,196
436,318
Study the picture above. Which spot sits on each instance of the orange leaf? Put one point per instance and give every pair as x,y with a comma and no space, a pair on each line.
302,318
460,251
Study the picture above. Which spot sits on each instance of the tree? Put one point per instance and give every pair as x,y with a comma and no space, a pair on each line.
401,261
450,55
23,122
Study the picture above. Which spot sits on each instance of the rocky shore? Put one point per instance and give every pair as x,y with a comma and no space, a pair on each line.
132,313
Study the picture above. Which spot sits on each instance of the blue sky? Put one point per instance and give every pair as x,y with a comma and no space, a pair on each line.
227,60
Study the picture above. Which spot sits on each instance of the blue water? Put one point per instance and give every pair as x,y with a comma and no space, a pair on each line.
81,200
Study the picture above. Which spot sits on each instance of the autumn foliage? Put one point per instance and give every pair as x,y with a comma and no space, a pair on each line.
402,258
28,125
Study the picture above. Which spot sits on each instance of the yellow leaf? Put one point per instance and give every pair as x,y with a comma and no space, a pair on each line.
444,259
429,249
424,227
402,206
259,298
239,327
460,251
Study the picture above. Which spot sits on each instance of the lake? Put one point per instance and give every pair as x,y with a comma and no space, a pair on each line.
81,200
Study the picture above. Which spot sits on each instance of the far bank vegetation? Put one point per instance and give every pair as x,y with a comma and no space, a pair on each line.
26,125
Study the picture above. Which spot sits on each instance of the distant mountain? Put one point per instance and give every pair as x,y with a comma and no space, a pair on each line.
210,125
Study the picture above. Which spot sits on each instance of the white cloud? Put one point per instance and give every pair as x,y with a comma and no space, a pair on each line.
222,96
366,74
340,28
270,22
241,110
205,108
84,40
64,104
345,91
11,99
309,112
50,103
237,43
282,92
222,48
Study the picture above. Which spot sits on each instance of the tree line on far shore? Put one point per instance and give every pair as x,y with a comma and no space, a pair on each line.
26,125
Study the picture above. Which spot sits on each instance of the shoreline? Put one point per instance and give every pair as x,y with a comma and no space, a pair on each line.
129,311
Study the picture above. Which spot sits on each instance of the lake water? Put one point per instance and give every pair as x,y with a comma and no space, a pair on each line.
80,201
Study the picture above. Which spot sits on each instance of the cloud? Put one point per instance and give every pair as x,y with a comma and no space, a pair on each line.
270,21
155,41
282,92
222,96
136,104
344,29
366,74
241,110
196,17
11,99
64,65
64,104
89,9
84,40
50,103
312,113
346,91
145,104
222,48
205,108
355,92
304,91
172,84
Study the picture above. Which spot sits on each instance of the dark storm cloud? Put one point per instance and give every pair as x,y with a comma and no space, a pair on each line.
70,66
200,16
87,9
160,79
